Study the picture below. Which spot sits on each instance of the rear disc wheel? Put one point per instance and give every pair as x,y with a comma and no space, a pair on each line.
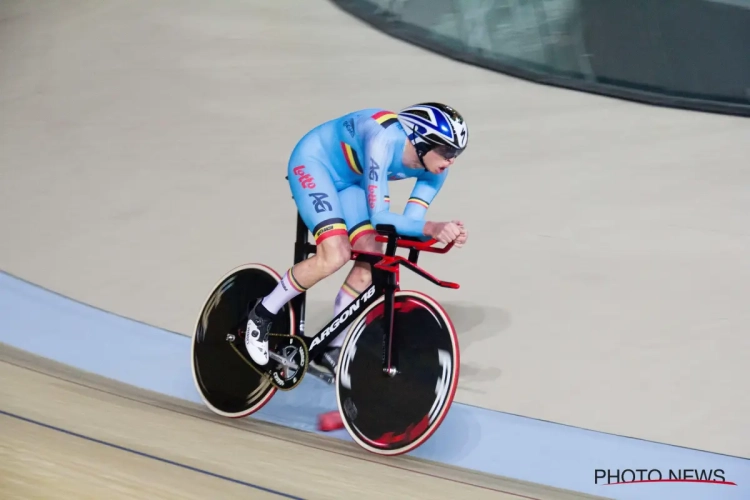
227,384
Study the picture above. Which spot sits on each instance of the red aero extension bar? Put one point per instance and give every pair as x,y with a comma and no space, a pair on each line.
388,263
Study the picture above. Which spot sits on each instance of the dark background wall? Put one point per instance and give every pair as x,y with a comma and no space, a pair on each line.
692,54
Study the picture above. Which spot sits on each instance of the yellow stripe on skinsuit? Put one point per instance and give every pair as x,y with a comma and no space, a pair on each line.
419,202
329,227
351,158
385,118
360,229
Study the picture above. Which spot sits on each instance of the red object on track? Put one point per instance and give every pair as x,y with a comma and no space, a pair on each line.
330,421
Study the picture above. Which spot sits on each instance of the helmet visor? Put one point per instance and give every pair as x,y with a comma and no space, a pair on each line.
447,152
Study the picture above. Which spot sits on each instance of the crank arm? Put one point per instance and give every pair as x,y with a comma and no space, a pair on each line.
283,361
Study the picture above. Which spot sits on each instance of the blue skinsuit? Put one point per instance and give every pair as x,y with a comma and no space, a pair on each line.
339,173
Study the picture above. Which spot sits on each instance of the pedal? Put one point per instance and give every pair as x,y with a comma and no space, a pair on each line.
323,375
325,369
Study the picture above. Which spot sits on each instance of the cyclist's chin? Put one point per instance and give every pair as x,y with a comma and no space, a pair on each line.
436,164
437,169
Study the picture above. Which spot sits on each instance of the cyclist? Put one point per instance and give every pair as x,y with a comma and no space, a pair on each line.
338,174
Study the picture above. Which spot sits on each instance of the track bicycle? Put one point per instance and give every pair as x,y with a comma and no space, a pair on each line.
399,364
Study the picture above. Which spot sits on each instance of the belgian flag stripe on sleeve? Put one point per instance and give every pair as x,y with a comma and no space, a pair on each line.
385,118
351,158
418,201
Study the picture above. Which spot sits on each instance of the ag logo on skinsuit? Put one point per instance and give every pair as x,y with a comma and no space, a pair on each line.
319,203
374,169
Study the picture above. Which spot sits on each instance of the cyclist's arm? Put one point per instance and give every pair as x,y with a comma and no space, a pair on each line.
424,191
378,154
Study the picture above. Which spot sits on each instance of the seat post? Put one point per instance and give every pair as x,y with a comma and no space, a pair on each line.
301,250
302,238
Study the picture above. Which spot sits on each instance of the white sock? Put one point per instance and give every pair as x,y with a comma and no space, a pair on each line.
345,297
285,291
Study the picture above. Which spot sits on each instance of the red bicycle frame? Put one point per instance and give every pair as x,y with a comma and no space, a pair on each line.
385,275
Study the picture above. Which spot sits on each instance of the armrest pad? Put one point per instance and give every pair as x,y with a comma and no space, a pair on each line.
389,229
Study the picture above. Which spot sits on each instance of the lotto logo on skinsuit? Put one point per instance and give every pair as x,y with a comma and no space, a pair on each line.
306,180
372,195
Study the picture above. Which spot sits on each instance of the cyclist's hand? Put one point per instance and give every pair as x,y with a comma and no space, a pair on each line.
463,236
444,232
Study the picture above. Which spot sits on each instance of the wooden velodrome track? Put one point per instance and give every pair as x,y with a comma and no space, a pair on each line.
65,434
604,285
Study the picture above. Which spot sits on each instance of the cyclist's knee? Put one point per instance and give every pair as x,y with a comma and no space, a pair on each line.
334,253
361,275
367,243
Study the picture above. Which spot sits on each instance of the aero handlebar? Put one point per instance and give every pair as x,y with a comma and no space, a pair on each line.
422,246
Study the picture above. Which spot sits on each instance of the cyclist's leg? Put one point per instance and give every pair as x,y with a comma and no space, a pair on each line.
320,208
362,238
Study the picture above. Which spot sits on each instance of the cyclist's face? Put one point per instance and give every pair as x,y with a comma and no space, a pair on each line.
438,159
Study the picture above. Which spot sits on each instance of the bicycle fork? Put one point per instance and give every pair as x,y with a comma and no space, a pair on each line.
390,354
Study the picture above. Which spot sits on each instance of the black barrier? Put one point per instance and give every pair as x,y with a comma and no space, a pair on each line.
691,54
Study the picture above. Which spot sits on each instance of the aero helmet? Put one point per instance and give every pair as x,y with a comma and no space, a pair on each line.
432,125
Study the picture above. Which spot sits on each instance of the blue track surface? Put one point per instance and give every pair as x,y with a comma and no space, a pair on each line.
61,329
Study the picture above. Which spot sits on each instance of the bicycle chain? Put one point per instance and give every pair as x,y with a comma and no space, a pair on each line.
267,374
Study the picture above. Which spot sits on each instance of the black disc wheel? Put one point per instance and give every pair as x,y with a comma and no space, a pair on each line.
225,381
391,415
